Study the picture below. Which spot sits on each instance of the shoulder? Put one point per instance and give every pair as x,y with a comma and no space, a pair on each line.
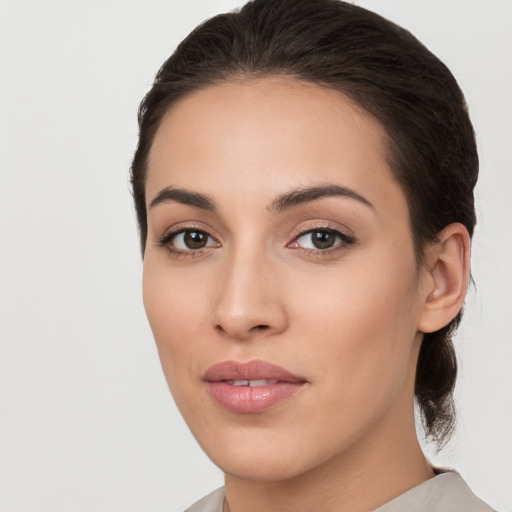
211,503
446,492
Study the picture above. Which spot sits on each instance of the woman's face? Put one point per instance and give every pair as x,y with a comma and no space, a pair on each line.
280,278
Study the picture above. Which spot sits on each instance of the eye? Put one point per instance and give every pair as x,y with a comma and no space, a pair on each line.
318,240
321,239
187,240
191,240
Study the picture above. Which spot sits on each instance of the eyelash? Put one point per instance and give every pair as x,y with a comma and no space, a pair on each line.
166,240
344,241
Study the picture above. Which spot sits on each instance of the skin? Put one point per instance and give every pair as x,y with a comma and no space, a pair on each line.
349,320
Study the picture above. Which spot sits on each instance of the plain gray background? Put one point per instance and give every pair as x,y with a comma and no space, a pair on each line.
86,421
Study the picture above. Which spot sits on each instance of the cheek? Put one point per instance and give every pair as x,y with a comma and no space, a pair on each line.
361,323
177,318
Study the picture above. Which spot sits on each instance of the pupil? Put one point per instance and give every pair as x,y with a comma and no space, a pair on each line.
323,240
195,239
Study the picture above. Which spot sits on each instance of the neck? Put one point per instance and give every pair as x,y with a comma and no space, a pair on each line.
384,465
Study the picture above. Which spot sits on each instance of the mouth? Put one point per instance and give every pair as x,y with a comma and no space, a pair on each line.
252,383
251,387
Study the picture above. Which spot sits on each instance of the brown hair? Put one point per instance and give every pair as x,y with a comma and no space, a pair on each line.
384,68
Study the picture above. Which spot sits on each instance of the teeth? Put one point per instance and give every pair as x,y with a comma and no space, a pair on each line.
252,383
261,382
239,382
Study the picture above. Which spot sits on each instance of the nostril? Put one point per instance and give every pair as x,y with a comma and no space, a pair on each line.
261,327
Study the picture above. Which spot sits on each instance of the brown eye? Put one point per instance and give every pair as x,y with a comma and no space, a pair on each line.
323,239
195,239
319,239
188,240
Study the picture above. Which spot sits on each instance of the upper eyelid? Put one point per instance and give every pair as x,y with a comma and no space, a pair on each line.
322,226
180,227
305,231
345,238
172,233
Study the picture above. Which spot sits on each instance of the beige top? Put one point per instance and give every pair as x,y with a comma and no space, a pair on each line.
446,492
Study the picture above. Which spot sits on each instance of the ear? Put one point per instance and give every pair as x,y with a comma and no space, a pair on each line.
447,269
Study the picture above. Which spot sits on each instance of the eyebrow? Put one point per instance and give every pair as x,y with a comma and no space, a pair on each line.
186,197
283,202
307,194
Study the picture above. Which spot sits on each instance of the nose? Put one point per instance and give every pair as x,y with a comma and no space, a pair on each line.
249,301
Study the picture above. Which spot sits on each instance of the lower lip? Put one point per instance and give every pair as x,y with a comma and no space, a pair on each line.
247,399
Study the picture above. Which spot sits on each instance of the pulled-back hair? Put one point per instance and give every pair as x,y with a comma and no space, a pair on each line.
430,141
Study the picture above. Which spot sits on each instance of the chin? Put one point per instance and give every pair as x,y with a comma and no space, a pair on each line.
258,470
262,459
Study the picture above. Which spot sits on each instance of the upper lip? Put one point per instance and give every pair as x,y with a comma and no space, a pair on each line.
249,370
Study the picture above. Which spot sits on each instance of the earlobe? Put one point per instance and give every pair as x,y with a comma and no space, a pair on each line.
448,268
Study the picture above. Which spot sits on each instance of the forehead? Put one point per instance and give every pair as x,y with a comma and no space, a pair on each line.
273,133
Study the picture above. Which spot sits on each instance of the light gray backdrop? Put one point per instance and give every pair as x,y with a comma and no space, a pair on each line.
86,421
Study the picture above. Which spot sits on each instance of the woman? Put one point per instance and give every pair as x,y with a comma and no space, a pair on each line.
304,188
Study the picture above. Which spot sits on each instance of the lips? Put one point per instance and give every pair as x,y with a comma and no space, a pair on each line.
251,387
